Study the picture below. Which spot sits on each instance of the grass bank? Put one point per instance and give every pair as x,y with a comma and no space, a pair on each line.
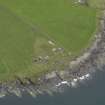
26,26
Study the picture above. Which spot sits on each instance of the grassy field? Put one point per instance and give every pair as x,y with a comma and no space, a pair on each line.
97,3
26,26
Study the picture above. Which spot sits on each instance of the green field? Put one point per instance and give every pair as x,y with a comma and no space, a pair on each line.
26,26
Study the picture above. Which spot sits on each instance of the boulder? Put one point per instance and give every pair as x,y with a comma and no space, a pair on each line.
83,2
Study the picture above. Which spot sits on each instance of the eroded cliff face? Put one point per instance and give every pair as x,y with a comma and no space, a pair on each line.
78,70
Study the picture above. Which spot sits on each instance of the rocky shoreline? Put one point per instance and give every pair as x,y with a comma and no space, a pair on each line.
93,59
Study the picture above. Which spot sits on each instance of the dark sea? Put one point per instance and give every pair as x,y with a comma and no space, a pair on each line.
91,92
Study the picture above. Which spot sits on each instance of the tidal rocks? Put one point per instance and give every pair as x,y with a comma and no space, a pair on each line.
76,71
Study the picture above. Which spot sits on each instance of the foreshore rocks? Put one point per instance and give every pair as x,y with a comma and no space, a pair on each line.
93,59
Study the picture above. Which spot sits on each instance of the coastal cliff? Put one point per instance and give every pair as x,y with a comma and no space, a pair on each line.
91,60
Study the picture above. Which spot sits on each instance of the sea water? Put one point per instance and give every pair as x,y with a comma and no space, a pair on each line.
91,92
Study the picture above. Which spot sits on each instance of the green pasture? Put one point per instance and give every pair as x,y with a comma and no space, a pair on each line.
26,26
